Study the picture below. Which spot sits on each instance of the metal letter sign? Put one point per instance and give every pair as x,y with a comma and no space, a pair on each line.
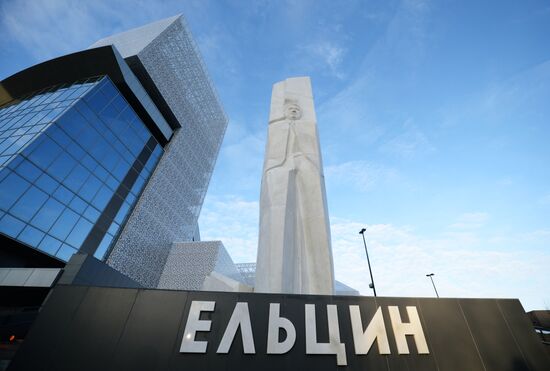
363,340
275,323
104,328
194,324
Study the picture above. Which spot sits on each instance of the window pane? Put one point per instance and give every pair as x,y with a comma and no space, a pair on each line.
112,183
64,224
65,252
47,183
102,198
62,166
31,236
109,90
11,188
46,152
59,136
101,173
96,101
78,205
28,171
113,229
48,214
90,188
121,170
89,162
103,246
122,212
28,205
79,233
21,141
76,151
15,162
77,178
49,245
63,195
92,214
11,226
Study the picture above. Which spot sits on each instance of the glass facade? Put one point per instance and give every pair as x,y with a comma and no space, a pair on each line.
73,160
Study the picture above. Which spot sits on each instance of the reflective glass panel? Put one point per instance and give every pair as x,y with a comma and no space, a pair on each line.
67,156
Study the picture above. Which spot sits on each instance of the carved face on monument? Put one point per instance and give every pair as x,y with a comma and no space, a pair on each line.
293,111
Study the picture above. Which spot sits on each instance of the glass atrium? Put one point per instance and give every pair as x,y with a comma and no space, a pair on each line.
73,161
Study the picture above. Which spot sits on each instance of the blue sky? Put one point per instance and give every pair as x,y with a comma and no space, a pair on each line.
433,120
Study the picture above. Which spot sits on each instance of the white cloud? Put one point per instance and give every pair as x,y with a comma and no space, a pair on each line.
409,142
49,28
361,175
240,161
471,220
330,54
234,221
401,258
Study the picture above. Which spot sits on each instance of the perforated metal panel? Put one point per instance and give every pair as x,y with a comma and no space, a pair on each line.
163,54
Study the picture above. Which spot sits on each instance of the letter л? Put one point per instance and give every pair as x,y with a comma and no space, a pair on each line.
240,317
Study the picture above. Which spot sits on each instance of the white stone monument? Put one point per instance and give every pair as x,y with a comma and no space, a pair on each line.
294,250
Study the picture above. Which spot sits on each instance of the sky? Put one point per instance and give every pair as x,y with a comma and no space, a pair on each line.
433,116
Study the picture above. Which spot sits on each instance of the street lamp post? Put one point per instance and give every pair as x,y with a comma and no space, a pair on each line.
362,233
431,278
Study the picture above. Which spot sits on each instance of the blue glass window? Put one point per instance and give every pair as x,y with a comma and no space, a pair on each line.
91,214
90,188
103,246
64,224
102,197
29,203
65,252
47,183
11,188
76,178
62,166
64,153
48,214
31,236
28,171
45,152
79,232
63,194
50,245
10,225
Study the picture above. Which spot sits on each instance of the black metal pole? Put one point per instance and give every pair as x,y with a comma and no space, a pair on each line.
433,284
362,233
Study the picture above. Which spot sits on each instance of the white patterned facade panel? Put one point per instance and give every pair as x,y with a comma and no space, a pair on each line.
189,263
169,206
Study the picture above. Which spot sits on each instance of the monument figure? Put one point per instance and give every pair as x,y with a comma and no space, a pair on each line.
294,249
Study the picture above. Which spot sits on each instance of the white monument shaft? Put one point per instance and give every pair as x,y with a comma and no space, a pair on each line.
294,250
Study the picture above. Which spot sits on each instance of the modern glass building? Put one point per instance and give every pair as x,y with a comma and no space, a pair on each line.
105,159
75,158
108,152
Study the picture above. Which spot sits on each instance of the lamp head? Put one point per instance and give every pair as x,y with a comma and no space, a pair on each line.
362,231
